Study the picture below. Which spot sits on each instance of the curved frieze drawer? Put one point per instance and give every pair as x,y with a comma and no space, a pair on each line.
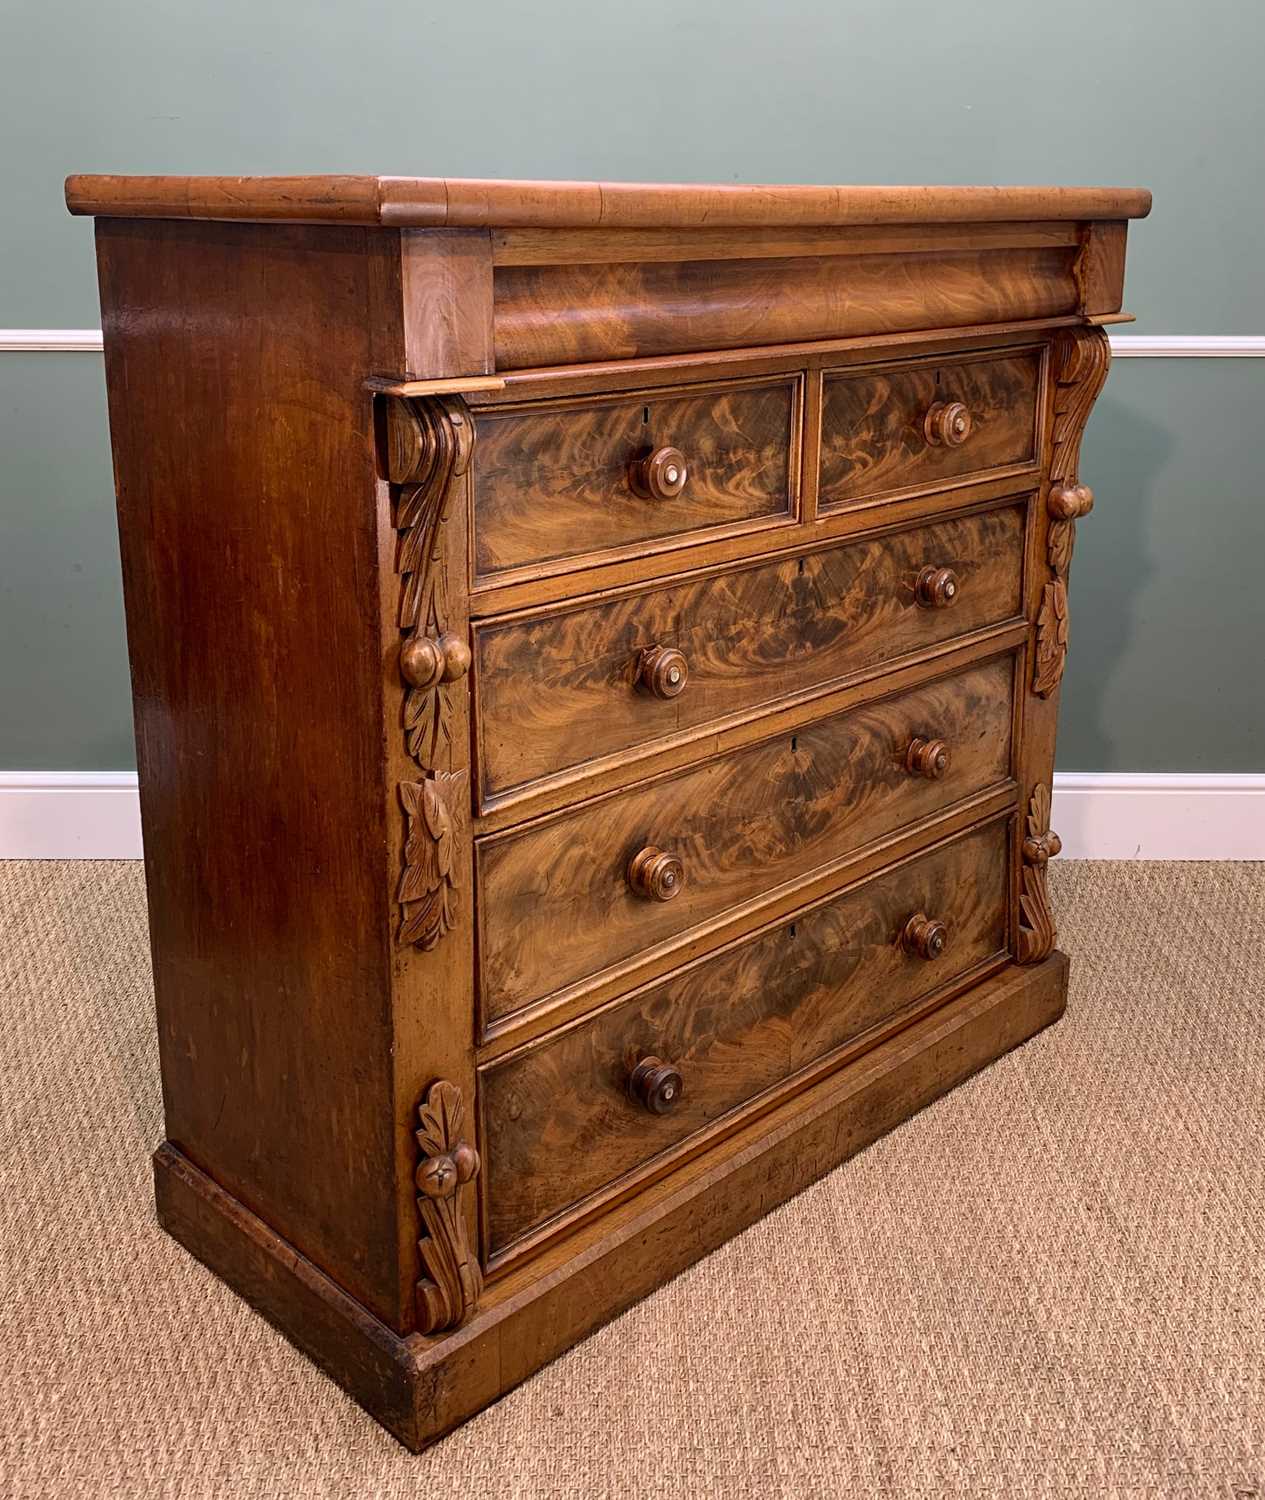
560,481
596,887
588,1106
920,425
558,688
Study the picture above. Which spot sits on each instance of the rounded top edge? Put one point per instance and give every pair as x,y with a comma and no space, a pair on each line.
471,203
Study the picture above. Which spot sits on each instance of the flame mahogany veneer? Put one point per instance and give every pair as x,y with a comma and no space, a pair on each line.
596,653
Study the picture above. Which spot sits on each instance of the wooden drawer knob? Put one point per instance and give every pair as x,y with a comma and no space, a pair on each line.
655,1084
425,662
655,873
929,758
662,671
661,476
936,588
947,424
924,937
1069,502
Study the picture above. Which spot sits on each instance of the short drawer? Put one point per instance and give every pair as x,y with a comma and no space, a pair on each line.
562,480
918,425
559,688
597,887
577,1112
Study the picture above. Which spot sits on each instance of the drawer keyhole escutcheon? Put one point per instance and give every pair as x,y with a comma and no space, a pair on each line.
929,758
662,671
936,588
425,663
947,424
923,937
661,476
655,1085
656,874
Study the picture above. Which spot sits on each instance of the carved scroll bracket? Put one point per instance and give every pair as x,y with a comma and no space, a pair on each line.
1036,918
1080,362
429,445
449,1291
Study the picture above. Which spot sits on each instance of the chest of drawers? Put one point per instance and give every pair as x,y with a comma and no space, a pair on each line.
596,654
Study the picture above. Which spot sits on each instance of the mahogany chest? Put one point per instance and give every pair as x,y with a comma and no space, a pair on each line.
596,653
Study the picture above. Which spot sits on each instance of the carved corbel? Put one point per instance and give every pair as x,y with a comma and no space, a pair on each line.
1036,918
448,1164
1080,360
429,444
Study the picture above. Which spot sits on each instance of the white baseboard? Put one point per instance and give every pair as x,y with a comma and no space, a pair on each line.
1135,815
69,815
95,815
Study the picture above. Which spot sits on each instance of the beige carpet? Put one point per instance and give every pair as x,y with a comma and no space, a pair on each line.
1050,1283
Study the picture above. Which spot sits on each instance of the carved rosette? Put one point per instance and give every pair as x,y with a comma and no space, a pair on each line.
429,443
429,446
1036,919
447,1294
1080,360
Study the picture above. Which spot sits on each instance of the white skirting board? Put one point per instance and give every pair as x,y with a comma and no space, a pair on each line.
95,815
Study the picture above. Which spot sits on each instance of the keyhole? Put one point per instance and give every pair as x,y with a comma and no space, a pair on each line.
800,569
794,742
645,416
791,929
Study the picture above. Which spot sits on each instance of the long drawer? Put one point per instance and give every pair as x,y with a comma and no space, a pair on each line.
590,1105
560,687
593,888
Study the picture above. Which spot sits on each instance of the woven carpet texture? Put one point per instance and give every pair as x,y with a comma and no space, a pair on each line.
1052,1282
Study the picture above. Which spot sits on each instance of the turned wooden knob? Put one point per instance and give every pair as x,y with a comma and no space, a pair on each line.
1041,848
1068,502
655,873
947,424
425,662
661,476
936,588
662,671
655,1084
929,758
924,937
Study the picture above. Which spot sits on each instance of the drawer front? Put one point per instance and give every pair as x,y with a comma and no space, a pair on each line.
560,1123
581,477
916,426
562,688
574,895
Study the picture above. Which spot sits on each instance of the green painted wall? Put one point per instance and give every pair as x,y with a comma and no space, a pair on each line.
1167,624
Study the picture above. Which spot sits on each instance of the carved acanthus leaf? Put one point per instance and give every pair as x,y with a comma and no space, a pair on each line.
1036,918
1080,361
429,446
449,1291
428,890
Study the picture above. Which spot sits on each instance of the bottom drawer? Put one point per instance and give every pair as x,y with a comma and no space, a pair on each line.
560,1123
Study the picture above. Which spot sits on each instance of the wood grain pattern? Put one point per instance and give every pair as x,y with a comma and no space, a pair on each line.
874,439
1100,268
554,480
550,315
555,900
559,689
422,1389
447,1165
1080,361
560,1124
262,788
480,203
